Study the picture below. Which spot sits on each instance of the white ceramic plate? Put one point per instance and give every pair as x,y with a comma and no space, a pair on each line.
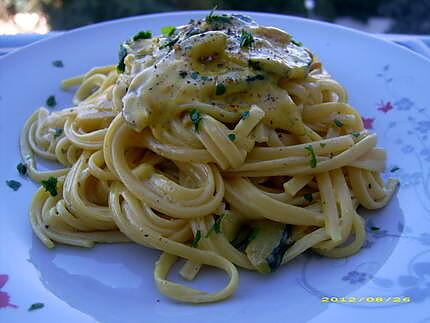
113,283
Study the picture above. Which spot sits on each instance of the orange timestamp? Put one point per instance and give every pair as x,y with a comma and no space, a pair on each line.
366,299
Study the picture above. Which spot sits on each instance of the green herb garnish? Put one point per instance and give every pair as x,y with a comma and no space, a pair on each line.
232,136
196,239
142,35
323,144
253,234
36,306
15,185
58,132
195,119
338,123
22,169
394,169
120,67
245,235
296,42
216,227
58,63
195,75
313,161
168,30
50,185
220,89
244,115
308,197
374,228
246,38
355,134
217,21
51,102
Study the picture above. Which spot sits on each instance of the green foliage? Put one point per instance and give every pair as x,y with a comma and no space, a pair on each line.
67,14
409,16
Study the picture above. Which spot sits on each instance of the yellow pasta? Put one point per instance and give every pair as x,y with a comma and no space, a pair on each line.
222,142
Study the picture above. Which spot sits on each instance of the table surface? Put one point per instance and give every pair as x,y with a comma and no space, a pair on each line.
416,43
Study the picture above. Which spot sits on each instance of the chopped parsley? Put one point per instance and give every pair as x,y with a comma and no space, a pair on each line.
170,43
168,30
142,35
195,75
58,132
220,89
51,102
120,67
355,134
22,169
36,306
313,161
244,236
58,63
195,119
196,239
50,185
183,74
232,136
253,234
308,197
338,123
394,169
15,185
374,228
296,42
216,227
246,38
323,144
244,115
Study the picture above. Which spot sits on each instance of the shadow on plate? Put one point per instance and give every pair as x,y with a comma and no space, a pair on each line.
111,282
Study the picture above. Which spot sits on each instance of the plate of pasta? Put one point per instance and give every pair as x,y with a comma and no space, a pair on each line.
217,167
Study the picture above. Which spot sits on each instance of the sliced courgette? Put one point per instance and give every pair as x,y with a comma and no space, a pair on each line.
291,61
268,247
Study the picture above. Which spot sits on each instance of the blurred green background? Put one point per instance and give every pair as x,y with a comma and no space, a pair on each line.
404,16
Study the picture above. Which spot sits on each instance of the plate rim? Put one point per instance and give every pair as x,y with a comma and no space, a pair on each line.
188,12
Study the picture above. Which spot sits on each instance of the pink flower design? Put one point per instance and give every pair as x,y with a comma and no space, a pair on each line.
385,107
4,297
368,122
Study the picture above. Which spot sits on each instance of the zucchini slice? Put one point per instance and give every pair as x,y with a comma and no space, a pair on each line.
268,247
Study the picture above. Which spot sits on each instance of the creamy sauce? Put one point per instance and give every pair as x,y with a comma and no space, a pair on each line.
227,61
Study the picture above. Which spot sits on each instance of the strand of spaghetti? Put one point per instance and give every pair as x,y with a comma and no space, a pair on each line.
244,196
328,202
89,141
346,209
146,194
172,250
175,152
360,189
353,247
28,155
278,166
